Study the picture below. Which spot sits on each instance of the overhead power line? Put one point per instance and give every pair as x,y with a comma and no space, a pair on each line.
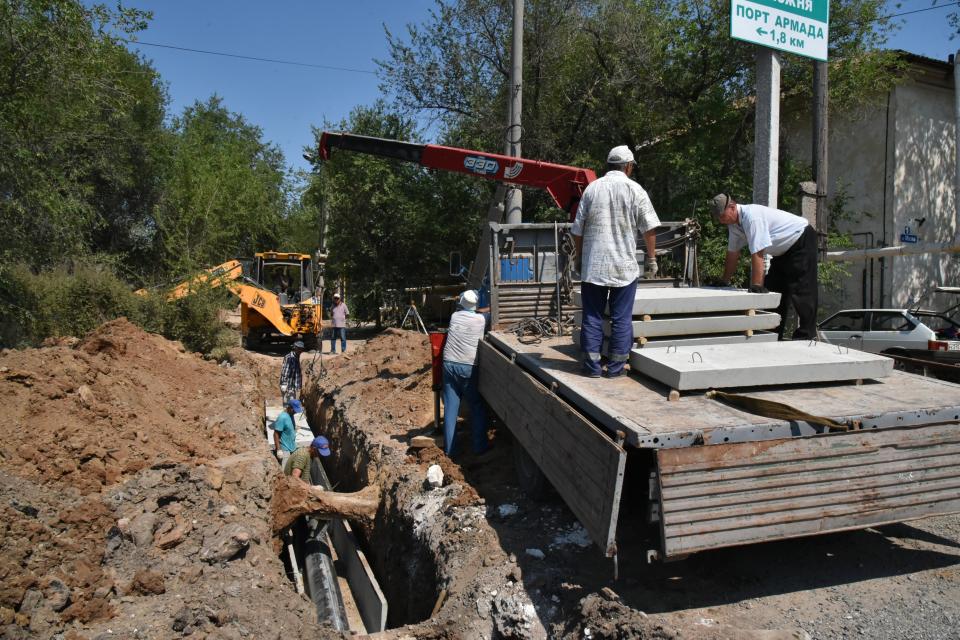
311,65
906,13
243,57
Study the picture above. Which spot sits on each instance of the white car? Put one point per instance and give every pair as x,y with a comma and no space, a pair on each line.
879,330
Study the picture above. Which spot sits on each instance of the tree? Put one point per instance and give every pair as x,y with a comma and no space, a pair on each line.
661,75
391,223
81,118
227,190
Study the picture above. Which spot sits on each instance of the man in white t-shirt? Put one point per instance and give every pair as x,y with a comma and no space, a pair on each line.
613,211
791,243
460,373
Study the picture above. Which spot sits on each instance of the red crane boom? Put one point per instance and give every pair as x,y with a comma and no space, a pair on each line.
564,184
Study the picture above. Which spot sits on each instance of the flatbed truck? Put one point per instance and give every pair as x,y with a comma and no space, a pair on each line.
719,476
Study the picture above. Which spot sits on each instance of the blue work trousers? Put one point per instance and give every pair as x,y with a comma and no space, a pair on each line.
340,332
595,299
461,380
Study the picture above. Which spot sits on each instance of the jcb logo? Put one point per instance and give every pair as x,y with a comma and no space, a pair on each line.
259,302
481,165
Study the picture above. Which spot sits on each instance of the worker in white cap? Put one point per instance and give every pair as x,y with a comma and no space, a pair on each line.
339,314
460,373
612,211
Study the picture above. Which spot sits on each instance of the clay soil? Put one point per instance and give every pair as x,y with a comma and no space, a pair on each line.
135,489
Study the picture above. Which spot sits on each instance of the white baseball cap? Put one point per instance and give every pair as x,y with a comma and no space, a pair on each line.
468,300
620,155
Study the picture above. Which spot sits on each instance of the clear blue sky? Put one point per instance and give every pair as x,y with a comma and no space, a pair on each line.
285,100
281,99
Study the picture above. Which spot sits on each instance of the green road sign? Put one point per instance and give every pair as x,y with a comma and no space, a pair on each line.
795,26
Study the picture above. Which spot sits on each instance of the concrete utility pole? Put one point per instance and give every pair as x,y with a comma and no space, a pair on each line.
821,114
766,149
514,204
956,108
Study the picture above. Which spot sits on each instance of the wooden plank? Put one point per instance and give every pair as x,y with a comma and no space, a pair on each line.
819,452
693,543
816,505
579,460
714,492
780,488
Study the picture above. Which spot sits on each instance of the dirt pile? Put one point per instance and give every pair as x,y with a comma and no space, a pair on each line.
118,401
135,494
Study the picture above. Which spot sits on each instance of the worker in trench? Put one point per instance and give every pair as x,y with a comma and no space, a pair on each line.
611,212
285,431
291,377
792,244
460,374
298,465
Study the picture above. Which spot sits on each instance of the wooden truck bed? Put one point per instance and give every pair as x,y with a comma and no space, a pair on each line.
722,476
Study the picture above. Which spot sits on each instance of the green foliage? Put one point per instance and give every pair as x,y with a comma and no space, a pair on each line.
661,75
80,117
226,195
73,300
391,224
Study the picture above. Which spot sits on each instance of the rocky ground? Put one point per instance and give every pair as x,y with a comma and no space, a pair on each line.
135,494
135,491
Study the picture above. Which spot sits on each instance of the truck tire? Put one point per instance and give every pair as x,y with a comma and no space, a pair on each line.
532,481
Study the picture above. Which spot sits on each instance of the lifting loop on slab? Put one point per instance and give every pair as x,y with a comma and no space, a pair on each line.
672,346
840,349
694,355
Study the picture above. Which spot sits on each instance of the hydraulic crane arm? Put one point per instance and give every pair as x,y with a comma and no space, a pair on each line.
564,184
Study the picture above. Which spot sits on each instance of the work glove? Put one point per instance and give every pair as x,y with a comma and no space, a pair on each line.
650,268
758,288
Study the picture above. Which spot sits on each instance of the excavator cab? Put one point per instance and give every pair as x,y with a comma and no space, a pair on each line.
289,275
285,306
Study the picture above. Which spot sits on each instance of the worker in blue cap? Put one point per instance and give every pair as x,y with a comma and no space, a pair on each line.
285,431
298,465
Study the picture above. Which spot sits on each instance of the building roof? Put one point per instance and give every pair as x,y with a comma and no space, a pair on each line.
928,70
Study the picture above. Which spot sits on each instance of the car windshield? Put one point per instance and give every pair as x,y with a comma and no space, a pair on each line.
943,326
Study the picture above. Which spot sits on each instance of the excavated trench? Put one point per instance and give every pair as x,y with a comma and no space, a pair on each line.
405,568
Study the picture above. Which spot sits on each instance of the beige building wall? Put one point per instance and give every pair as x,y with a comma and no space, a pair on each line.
892,162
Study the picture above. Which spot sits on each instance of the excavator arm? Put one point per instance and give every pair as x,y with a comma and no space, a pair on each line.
230,275
564,184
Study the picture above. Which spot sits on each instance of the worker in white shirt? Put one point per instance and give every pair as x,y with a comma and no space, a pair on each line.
460,374
611,212
791,243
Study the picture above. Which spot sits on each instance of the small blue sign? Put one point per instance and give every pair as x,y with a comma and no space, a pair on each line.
908,237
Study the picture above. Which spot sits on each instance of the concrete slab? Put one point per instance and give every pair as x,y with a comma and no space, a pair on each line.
695,325
687,341
667,300
753,365
304,434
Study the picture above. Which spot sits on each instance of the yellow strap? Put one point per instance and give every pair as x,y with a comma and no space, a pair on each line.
776,410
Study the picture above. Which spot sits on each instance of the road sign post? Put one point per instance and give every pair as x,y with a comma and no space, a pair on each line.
794,26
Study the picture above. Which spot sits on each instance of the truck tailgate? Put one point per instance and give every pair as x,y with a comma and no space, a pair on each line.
730,494
580,461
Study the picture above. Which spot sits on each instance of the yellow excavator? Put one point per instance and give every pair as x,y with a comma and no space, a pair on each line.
279,299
